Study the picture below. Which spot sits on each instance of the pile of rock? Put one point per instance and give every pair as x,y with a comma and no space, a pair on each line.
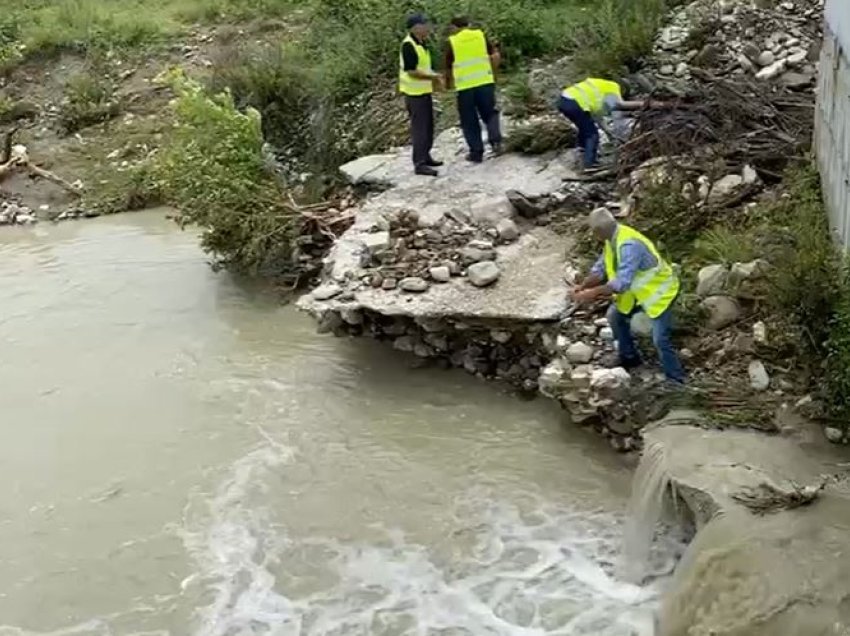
767,40
15,214
402,255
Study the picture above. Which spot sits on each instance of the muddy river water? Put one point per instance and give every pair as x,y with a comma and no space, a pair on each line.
182,455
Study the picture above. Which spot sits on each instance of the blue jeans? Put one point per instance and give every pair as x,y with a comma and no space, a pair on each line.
476,105
588,132
662,329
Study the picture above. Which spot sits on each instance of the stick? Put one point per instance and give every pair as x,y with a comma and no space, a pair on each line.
44,174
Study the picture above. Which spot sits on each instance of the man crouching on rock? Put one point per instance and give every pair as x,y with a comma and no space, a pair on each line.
632,273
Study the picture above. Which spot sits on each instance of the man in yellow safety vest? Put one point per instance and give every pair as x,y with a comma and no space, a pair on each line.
416,82
470,64
586,104
633,274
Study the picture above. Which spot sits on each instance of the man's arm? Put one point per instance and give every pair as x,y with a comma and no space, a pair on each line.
495,55
630,257
448,63
595,277
411,62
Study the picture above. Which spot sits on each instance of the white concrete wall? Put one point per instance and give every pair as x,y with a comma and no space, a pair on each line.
832,117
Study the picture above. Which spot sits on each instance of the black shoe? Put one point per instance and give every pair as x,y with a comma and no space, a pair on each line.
433,163
426,171
474,158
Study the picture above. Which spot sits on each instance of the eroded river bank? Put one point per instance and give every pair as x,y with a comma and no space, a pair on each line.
182,455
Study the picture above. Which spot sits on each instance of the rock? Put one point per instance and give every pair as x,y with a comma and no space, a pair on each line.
834,435
508,231
681,69
440,274
502,337
22,109
389,284
796,81
641,324
759,379
610,379
774,70
25,219
722,311
749,175
351,316
797,59
405,344
745,63
327,291
553,378
725,187
579,353
760,332
766,58
742,272
704,188
366,169
751,51
421,350
708,56
329,322
606,333
667,69
414,284
471,255
483,273
377,241
711,280
523,205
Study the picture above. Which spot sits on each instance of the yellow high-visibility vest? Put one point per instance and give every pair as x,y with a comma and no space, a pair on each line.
471,67
590,94
411,85
653,289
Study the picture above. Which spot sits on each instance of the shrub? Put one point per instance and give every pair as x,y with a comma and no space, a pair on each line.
214,172
837,385
89,99
725,245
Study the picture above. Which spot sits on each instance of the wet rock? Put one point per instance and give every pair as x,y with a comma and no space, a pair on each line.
797,58
329,322
440,274
834,435
414,284
404,343
759,379
351,316
327,291
483,274
711,280
421,350
508,231
751,51
579,353
722,311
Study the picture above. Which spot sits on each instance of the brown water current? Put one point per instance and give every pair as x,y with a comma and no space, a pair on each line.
182,455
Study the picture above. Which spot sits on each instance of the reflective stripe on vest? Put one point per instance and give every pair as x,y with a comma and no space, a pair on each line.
653,289
471,66
590,94
410,85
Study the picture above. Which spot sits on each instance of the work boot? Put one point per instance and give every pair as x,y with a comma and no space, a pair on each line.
433,163
426,171
474,158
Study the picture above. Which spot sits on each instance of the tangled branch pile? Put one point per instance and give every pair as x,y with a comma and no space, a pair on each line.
767,498
739,121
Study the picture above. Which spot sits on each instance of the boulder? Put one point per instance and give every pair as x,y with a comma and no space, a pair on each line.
834,435
711,280
743,272
440,274
610,379
579,353
722,311
483,274
774,70
508,231
766,58
326,291
376,242
553,378
725,188
759,379
414,284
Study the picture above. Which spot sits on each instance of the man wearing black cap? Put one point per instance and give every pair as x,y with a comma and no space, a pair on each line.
416,82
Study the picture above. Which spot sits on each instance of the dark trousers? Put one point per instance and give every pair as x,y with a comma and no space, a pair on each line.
475,103
588,132
421,111
662,331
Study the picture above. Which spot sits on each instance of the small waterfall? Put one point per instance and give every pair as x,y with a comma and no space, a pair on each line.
644,511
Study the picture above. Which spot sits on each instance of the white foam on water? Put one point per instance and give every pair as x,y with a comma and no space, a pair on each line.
537,571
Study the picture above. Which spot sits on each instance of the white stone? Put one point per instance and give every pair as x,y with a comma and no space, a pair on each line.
551,380
507,229
25,219
759,379
725,187
606,333
834,435
749,175
413,284
580,353
797,58
376,241
769,72
483,274
681,69
440,274
704,184
326,291
722,311
480,244
711,280
760,332
745,63
609,379
667,69
601,322
753,270
766,58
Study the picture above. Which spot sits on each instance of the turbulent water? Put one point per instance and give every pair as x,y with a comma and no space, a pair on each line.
183,456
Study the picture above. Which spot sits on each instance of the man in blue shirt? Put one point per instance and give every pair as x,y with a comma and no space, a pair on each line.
632,273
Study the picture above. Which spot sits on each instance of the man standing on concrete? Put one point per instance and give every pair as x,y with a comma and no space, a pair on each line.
471,60
417,80
586,104
632,273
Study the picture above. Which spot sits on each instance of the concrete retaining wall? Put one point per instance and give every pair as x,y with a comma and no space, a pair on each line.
832,117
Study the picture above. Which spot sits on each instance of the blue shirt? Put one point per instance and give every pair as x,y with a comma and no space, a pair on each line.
634,258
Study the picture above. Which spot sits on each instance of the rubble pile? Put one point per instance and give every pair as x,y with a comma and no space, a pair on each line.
761,39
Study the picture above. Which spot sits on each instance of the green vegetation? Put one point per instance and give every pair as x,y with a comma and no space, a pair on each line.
89,99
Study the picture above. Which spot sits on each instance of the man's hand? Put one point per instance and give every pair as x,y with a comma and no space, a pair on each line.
584,296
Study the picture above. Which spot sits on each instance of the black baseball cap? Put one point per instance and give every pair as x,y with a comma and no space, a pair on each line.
416,19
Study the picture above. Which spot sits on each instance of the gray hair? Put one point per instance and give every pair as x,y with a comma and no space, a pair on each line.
602,221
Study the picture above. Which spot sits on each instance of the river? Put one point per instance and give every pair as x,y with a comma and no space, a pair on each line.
183,455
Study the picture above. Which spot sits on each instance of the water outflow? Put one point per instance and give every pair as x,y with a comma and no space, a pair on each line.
643,514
